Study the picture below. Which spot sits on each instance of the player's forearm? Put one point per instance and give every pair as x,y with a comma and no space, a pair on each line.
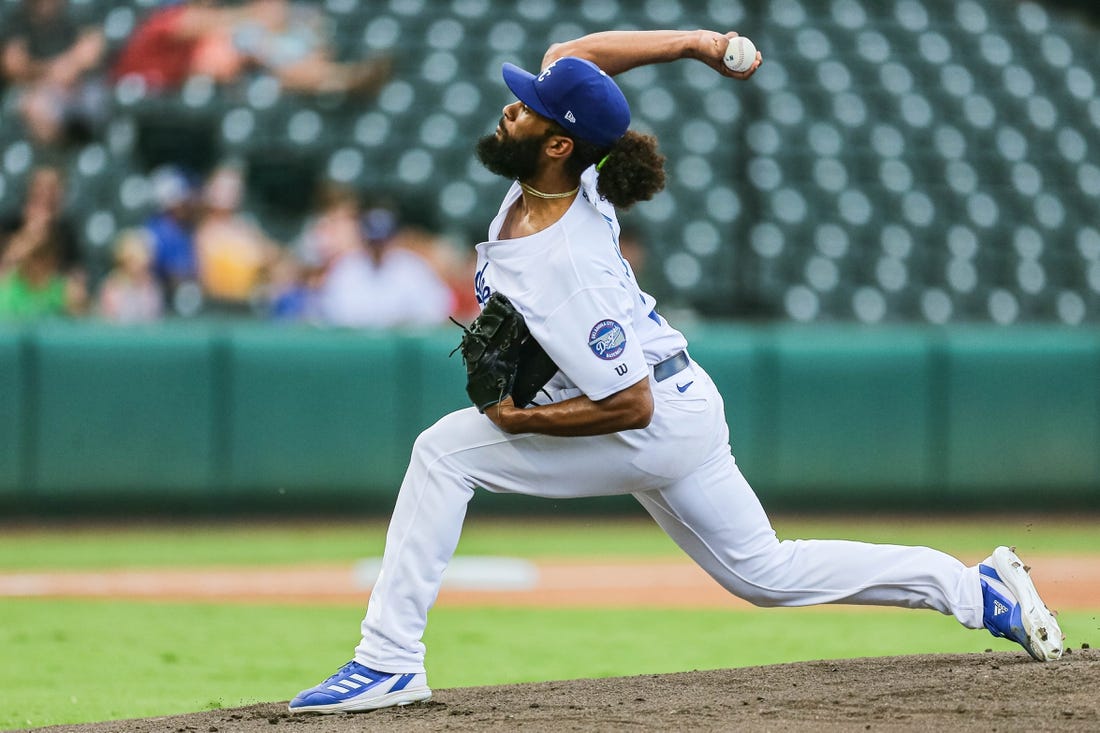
630,409
619,51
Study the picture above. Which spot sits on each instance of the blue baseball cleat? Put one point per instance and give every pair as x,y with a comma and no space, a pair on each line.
355,687
1013,608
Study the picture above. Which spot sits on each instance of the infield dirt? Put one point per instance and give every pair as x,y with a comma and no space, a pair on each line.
1003,691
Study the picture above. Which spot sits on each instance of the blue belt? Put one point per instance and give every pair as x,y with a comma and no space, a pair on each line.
673,365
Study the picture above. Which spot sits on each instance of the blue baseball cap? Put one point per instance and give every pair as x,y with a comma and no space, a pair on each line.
379,225
577,95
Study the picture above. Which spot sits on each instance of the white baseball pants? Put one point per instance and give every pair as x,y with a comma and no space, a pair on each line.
681,470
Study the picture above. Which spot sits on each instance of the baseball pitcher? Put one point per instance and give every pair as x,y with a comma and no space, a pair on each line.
626,410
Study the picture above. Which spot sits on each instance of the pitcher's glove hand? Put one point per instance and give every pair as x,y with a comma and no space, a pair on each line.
502,357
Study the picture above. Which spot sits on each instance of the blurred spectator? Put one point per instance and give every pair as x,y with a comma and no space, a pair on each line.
334,229
172,238
461,279
377,283
293,42
289,41
290,291
162,48
634,251
31,283
130,293
49,61
233,252
453,262
40,269
326,235
42,216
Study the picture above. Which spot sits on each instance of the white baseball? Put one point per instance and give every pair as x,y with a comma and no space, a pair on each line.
740,54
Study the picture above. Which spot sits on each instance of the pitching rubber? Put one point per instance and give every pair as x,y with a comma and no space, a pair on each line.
1045,640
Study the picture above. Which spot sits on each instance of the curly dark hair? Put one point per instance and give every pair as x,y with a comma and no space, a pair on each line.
634,170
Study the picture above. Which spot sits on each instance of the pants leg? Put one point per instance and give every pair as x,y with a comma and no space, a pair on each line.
716,518
462,451
422,536
681,470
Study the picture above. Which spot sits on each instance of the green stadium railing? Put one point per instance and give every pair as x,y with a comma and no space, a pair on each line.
221,415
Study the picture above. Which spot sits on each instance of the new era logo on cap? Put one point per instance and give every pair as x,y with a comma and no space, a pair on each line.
577,95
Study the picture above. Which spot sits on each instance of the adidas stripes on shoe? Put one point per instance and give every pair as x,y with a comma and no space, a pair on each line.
355,688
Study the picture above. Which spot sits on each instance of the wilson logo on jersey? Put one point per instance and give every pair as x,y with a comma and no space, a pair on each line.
607,340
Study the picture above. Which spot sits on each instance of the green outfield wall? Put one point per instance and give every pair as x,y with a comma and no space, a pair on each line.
820,417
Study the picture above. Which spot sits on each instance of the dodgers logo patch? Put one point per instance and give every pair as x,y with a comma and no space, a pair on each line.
607,340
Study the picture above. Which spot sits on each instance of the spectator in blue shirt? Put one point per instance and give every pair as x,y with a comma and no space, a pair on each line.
172,229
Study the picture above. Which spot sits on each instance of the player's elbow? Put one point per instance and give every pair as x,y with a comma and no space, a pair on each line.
642,420
563,49
630,409
554,53
641,409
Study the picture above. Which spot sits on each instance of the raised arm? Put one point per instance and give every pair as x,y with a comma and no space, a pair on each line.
619,51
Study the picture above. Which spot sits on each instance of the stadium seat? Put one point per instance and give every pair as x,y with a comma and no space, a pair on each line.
538,11
472,11
383,32
17,158
889,161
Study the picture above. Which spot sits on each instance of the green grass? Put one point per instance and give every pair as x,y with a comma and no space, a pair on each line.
129,659
274,544
123,660
966,535
36,548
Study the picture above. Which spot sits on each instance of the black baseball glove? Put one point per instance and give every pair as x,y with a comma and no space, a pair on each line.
502,357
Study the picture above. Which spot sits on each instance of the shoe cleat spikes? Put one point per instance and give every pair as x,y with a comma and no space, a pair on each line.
1009,585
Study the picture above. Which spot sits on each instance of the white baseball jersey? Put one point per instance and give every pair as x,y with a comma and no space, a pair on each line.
578,296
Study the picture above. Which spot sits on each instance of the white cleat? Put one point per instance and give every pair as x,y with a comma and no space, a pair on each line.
355,688
1013,608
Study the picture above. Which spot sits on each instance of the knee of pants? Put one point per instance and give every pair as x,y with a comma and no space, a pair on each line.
443,446
425,445
427,450
761,576
438,440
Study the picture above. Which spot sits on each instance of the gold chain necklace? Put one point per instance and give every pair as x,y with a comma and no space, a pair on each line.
539,194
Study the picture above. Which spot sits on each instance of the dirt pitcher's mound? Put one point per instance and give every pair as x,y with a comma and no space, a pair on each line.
981,692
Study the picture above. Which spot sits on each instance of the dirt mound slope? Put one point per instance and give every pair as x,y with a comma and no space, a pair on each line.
1001,691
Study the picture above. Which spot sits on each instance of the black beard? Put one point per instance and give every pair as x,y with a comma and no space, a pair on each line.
506,156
